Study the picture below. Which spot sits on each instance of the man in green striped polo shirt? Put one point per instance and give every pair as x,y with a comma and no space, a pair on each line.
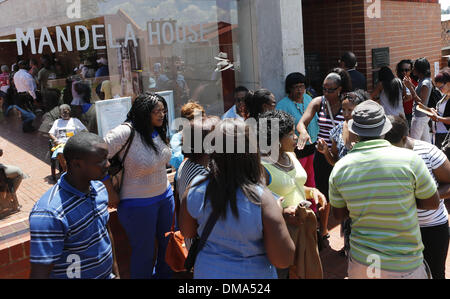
380,188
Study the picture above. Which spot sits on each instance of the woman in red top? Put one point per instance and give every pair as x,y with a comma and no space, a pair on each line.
404,69
4,79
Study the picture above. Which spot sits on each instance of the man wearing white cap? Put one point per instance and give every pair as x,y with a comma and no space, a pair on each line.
103,70
380,187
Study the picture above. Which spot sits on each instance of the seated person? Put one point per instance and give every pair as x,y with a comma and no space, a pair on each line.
62,130
13,176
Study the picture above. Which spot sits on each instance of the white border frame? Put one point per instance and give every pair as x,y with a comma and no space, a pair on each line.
101,109
168,96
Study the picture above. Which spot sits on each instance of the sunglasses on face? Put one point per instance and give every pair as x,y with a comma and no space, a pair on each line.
329,90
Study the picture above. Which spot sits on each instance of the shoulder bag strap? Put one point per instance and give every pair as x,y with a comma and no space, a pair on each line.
128,144
130,140
330,112
207,231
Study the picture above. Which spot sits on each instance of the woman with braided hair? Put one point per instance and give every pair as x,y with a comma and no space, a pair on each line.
145,205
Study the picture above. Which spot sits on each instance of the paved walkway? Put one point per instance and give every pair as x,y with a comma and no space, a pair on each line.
30,153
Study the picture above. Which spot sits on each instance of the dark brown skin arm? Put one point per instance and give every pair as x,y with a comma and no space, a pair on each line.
332,157
431,203
302,125
444,191
444,120
406,97
442,173
188,224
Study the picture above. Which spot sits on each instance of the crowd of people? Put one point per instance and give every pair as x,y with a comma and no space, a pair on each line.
372,161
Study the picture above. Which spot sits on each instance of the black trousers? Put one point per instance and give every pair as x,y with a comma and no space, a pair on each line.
436,239
322,171
24,100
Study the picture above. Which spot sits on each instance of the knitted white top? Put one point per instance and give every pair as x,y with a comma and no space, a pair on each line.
145,171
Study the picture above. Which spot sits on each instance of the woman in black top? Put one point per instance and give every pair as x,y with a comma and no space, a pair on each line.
442,112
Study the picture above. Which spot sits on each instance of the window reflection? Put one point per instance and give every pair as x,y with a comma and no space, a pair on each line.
123,48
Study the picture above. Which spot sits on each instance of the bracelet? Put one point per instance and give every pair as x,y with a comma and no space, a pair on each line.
106,177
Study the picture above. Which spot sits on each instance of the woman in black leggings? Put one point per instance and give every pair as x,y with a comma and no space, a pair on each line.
329,110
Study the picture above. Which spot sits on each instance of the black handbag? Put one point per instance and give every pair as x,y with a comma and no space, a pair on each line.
199,243
116,167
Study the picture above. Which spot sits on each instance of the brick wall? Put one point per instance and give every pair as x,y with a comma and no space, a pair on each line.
445,39
15,261
411,29
15,254
332,27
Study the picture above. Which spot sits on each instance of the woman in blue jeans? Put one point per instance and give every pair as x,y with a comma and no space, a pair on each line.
145,205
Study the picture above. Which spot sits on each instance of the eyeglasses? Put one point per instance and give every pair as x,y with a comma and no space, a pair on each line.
299,86
329,90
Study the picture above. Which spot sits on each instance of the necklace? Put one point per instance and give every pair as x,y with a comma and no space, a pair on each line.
302,110
282,165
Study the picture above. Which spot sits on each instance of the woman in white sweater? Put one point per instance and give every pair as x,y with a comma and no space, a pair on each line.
145,205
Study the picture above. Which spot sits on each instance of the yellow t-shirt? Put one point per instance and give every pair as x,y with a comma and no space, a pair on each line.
289,185
106,89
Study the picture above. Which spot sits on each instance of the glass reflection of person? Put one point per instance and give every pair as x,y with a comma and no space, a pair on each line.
161,79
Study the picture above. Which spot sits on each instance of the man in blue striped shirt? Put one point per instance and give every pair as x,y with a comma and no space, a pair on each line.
68,225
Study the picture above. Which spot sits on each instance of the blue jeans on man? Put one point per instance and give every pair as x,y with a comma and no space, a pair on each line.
27,117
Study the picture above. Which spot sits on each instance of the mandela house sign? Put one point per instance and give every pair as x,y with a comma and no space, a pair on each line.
162,33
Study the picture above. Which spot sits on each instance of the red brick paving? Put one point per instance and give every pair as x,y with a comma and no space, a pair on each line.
30,153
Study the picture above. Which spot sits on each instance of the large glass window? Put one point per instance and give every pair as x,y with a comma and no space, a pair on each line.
190,48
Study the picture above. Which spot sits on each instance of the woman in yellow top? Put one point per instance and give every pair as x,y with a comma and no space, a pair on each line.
285,175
